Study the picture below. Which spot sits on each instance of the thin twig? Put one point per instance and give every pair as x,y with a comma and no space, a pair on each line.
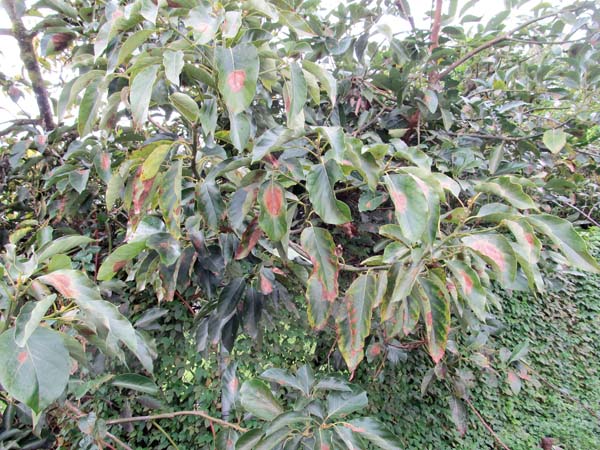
503,37
174,414
119,441
486,425
560,202
195,151
435,26
408,16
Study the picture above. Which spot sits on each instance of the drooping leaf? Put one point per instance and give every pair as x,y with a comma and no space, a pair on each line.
497,252
562,234
62,245
354,322
167,247
88,108
297,97
319,183
375,432
226,439
257,399
169,198
238,72
273,210
140,94
231,24
36,373
152,163
240,130
470,287
340,404
326,79
436,313
248,241
173,64
322,287
210,203
410,205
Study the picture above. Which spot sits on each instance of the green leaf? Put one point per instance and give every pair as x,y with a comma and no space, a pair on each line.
100,314
555,140
231,24
410,205
273,210
459,414
149,10
62,245
211,203
136,382
431,100
131,44
140,94
173,64
497,252
30,317
248,440
78,178
226,439
88,108
169,198
509,190
257,399
203,22
119,258
319,183
283,378
166,246
354,321
208,116
561,232
151,164
238,72
436,312
186,106
297,92
326,79
36,373
470,287
240,130
322,287
340,404
375,432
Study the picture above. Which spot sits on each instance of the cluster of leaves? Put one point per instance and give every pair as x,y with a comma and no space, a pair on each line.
228,147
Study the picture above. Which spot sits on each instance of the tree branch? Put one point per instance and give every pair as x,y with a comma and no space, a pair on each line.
435,26
29,58
503,37
486,425
174,414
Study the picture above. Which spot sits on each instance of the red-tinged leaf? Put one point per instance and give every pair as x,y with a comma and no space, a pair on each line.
436,312
119,258
323,282
249,239
375,432
169,198
470,286
236,79
273,210
497,252
410,205
238,72
267,278
408,314
527,250
514,382
354,322
509,190
562,234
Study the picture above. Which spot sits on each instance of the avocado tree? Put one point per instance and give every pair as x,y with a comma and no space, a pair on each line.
223,154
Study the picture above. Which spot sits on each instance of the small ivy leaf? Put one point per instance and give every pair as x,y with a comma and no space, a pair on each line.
555,140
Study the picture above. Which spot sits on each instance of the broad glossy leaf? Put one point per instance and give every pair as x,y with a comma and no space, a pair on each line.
297,93
29,318
152,163
119,258
563,235
231,24
140,93
135,382
410,205
497,252
62,245
470,287
131,44
509,190
273,210
88,108
555,140
249,439
322,287
240,130
226,439
203,22
36,373
248,241
286,419
167,247
210,203
326,79
173,64
186,106
238,73
375,432
436,313
340,404
257,399
320,182
354,321
283,378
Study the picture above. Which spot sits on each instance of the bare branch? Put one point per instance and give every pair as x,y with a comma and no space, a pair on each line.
174,414
486,425
436,25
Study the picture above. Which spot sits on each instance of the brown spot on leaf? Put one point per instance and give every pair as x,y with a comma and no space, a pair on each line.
399,200
236,79
491,251
467,282
118,266
266,287
105,161
62,283
22,357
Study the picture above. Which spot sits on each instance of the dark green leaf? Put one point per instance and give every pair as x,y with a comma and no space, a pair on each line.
257,399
